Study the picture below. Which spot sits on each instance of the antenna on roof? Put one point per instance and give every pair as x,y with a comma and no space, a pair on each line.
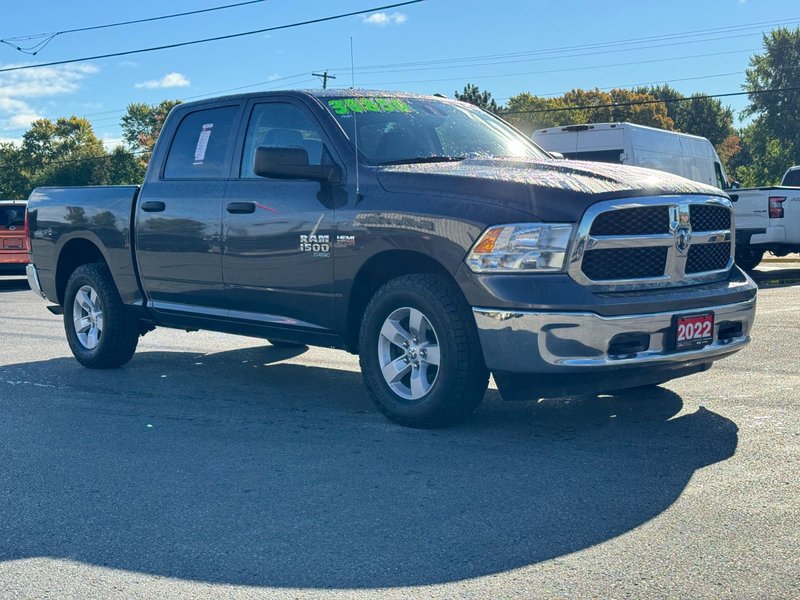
355,122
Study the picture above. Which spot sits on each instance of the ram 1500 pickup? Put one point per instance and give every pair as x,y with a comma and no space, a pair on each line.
428,236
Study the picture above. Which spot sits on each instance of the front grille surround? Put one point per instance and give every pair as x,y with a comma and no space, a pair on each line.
628,244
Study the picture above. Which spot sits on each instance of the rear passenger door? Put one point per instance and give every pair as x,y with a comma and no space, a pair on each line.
278,234
179,214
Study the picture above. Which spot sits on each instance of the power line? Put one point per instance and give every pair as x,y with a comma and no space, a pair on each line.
561,70
644,102
212,39
601,45
46,38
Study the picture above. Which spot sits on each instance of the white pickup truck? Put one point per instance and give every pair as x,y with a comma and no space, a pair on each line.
767,220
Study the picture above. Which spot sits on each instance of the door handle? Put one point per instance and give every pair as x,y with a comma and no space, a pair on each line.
241,208
153,206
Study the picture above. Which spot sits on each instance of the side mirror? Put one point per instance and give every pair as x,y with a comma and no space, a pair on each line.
735,185
291,163
556,155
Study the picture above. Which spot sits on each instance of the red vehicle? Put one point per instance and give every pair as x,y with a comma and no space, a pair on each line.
13,239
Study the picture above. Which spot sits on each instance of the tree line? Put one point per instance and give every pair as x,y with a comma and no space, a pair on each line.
68,152
757,154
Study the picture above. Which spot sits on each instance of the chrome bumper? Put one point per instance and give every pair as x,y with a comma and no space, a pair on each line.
560,342
33,280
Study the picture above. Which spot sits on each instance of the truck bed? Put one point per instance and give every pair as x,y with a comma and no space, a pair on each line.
70,216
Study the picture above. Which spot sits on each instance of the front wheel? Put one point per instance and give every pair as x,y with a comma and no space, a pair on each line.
101,332
420,354
748,257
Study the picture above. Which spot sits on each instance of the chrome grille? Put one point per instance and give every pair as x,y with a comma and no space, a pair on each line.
653,242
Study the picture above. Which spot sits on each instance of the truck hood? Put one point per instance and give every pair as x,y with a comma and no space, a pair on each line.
550,189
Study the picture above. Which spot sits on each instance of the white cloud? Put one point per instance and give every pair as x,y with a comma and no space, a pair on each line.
110,142
18,89
170,80
382,19
127,64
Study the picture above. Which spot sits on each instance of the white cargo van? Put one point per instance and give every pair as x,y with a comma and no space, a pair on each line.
690,156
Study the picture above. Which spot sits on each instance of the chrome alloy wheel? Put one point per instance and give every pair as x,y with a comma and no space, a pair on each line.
87,314
408,353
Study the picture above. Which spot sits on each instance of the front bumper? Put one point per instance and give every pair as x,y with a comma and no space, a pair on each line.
584,342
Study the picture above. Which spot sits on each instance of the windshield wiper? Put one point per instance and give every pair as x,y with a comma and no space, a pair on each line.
422,159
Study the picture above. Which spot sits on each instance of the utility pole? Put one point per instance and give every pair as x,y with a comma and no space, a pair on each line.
324,76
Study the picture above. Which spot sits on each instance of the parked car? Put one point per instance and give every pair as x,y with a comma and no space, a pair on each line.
13,237
767,220
422,233
689,156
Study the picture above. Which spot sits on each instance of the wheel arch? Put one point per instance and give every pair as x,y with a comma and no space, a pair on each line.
375,272
75,252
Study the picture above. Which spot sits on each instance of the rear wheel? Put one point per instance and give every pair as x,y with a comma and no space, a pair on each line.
100,330
420,353
748,257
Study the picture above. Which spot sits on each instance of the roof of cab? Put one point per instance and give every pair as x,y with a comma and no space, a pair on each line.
316,93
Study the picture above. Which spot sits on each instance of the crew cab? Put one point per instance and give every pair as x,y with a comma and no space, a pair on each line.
767,220
424,234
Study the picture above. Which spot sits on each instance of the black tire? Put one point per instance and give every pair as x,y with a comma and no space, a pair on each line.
459,381
282,344
748,257
114,340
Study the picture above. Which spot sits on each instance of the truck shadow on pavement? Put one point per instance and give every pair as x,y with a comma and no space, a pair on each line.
13,284
238,468
776,277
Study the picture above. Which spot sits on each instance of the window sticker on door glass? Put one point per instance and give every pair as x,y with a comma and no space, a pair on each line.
347,106
202,144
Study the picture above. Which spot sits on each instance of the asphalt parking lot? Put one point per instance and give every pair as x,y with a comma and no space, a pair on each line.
218,466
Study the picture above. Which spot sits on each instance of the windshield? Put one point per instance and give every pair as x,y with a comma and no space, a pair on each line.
398,130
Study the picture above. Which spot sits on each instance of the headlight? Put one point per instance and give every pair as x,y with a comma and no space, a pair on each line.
521,248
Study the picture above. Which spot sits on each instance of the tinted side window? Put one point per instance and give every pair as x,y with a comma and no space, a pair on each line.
200,145
606,156
792,178
721,183
281,124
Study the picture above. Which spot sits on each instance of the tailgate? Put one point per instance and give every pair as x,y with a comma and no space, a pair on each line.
12,228
750,208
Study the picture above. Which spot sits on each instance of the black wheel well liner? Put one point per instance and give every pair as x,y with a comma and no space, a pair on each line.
379,269
76,252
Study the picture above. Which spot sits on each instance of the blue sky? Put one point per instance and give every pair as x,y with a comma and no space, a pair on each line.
540,46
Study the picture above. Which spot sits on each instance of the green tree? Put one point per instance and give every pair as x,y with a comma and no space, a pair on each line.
473,95
60,153
697,115
14,182
122,168
773,138
141,126
529,112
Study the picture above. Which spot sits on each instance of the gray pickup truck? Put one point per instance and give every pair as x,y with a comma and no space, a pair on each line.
428,236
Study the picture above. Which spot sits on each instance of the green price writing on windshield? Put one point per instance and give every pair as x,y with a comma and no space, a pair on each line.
346,106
